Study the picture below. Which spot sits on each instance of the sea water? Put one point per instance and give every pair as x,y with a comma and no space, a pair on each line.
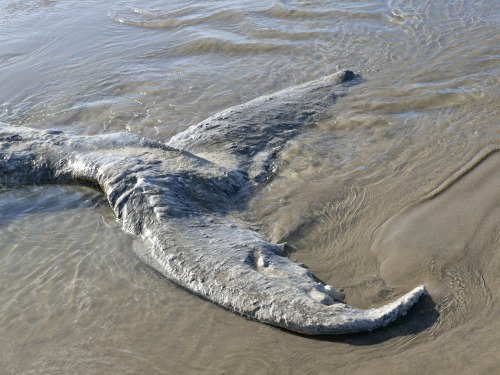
379,197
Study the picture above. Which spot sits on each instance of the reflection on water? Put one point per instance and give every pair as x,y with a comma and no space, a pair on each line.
349,197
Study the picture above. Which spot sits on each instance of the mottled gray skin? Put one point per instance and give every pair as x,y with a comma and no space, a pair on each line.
184,206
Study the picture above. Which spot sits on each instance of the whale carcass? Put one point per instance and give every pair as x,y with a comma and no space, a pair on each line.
182,199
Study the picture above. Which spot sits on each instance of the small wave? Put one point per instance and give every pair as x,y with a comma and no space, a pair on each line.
430,96
161,19
8,58
295,13
207,45
402,17
284,35
405,15
25,7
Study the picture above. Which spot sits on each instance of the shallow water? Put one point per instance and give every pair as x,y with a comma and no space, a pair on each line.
355,196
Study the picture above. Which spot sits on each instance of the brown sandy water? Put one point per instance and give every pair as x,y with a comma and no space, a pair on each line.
399,186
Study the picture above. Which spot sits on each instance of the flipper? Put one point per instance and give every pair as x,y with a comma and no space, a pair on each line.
248,136
181,205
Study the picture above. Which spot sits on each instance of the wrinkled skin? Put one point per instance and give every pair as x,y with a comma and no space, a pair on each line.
181,199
